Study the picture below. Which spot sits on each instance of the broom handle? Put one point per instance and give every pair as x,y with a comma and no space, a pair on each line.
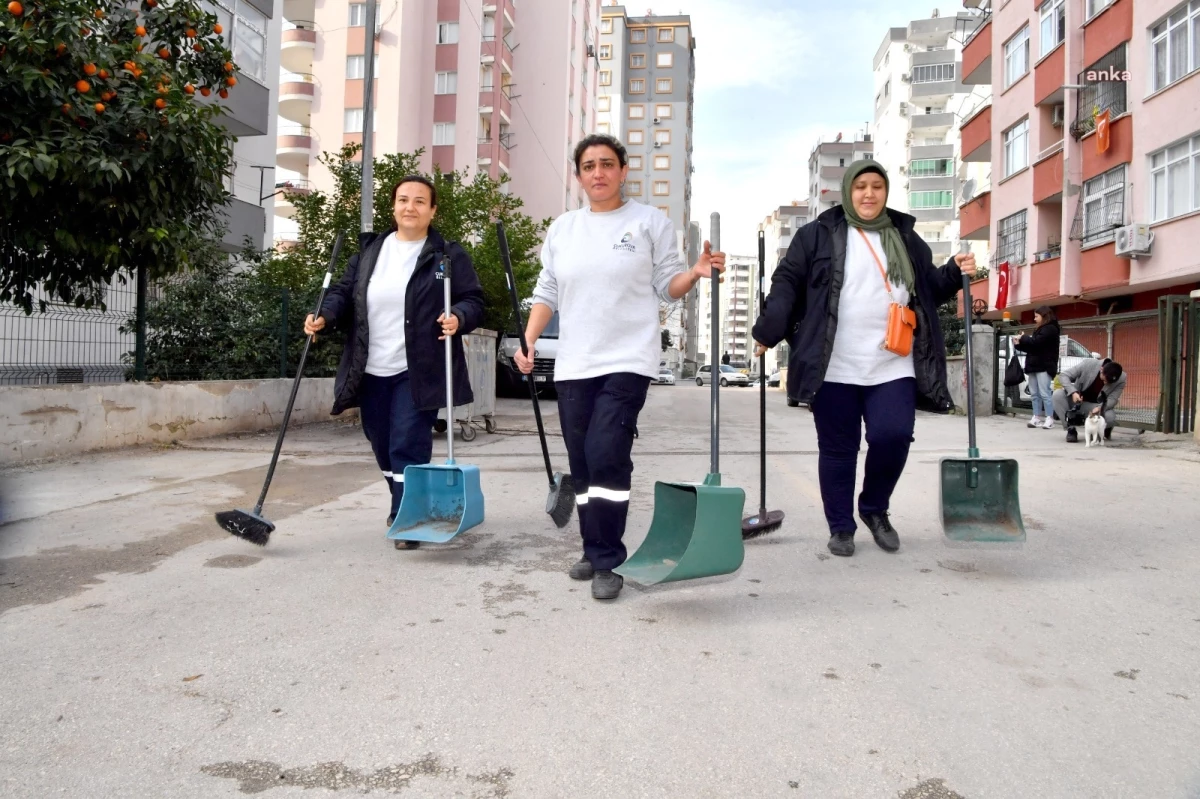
966,281
506,257
449,364
714,456
762,384
287,414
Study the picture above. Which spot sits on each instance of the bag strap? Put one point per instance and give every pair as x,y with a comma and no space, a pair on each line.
878,263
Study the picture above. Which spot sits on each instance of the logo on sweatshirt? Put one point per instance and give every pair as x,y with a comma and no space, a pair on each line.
626,244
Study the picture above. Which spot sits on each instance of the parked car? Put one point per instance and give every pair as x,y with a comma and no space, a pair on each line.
665,378
509,380
773,379
1070,352
728,377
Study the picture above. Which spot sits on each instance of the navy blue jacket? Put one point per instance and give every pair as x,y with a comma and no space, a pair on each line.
345,308
1041,349
803,307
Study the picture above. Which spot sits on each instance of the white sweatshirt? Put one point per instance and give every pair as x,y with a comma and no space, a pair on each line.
386,353
605,273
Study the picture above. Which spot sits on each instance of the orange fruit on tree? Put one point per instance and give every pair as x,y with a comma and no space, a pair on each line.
60,48
166,79
99,13
151,3
84,32
224,93
164,53
15,8
104,74
189,88
205,91
140,31
82,86
217,29
231,81
229,66
138,48
160,103
66,108
99,108
89,69
130,66
199,48
190,33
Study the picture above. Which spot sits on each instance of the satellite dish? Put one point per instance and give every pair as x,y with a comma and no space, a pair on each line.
968,190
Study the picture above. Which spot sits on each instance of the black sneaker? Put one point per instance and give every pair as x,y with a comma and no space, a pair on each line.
842,544
582,570
1072,436
606,584
1108,432
391,520
407,544
881,529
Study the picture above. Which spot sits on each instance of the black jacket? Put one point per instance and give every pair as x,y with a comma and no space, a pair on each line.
1041,349
803,307
345,307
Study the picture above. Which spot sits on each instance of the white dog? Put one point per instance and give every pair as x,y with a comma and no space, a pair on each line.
1093,429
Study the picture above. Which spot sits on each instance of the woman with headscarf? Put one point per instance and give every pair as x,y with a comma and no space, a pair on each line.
856,297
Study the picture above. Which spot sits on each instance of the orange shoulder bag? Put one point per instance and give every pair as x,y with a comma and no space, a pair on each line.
902,321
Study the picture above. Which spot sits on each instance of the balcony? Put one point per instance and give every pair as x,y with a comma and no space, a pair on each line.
975,218
833,173
293,148
491,99
296,95
931,123
1044,277
977,57
1049,75
294,10
935,90
288,191
1048,176
976,136
923,152
296,47
1102,272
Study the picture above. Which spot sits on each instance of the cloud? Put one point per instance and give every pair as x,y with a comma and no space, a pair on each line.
738,46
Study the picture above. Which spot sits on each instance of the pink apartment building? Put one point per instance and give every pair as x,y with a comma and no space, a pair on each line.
477,83
1064,192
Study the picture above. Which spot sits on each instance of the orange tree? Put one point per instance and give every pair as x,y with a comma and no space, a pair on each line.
109,158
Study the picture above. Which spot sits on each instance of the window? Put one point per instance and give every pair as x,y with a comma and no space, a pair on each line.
637,35
447,33
603,128
666,209
605,78
635,162
356,67
1016,57
637,85
1016,148
637,111
930,199
353,120
1054,24
604,103
662,137
1094,7
443,134
245,34
1174,55
637,60
931,73
664,85
1175,180
358,15
1103,204
637,137
664,60
606,25
1010,239
663,111
666,34
931,168
662,188
605,51
1102,92
447,83
662,162
633,188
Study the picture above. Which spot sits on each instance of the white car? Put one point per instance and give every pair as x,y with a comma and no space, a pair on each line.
729,376
665,378
1070,352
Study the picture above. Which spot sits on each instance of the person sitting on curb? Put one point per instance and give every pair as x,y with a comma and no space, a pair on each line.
1095,387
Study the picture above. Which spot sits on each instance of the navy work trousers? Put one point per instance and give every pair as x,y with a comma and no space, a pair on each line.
400,434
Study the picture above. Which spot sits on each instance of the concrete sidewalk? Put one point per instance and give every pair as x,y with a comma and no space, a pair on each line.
146,653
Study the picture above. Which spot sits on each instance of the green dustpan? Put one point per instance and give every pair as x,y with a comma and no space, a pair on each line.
697,527
980,501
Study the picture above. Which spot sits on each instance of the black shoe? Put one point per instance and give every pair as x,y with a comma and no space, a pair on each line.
1108,433
606,585
582,570
1072,436
885,535
842,544
391,520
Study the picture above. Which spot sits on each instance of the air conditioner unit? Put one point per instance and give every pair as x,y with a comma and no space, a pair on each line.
1056,117
906,78
657,120
658,144
903,109
903,170
1134,240
908,48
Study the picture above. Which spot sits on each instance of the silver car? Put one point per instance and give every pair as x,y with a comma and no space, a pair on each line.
729,376
1070,353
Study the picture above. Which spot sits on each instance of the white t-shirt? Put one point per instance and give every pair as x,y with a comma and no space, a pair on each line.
605,273
394,267
857,358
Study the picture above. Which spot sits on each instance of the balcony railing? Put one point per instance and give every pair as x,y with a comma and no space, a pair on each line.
1101,96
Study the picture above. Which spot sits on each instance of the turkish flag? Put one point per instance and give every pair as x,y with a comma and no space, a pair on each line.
1002,286
1103,131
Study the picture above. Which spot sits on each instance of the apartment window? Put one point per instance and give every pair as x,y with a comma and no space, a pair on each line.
353,120
1103,204
637,85
932,73
1054,24
637,136
604,103
636,111
637,35
605,78
662,137
1094,7
358,15
356,67
1101,92
664,85
662,162
1175,45
662,188
637,60
1175,180
930,199
447,33
446,83
664,60
663,111
443,134
1016,148
635,162
606,25
633,188
1010,239
1016,57
603,127
245,34
605,51
931,168
666,34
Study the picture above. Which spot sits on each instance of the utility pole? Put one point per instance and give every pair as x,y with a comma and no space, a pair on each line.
368,150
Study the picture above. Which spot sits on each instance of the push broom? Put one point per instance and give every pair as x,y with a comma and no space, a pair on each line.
252,525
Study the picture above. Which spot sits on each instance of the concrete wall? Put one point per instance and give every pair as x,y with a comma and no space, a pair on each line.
53,421
983,343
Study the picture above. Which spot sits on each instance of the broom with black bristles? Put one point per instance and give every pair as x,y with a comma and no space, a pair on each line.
561,499
252,525
765,521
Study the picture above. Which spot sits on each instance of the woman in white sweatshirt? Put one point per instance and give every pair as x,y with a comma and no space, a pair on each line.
605,269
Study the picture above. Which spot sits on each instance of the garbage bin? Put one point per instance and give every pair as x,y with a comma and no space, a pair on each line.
479,348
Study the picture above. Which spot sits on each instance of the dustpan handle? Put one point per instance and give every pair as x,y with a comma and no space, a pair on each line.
714,435
449,365
973,452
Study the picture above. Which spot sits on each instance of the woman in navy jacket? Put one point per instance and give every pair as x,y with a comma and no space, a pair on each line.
829,299
1041,364
390,302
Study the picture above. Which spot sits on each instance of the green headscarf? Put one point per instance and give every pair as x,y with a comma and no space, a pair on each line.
899,267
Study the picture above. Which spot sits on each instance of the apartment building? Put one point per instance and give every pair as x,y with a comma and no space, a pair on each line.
1093,137
779,227
827,164
919,100
739,297
447,79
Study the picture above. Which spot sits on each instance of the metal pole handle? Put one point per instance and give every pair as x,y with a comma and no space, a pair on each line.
762,383
969,364
449,365
714,455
